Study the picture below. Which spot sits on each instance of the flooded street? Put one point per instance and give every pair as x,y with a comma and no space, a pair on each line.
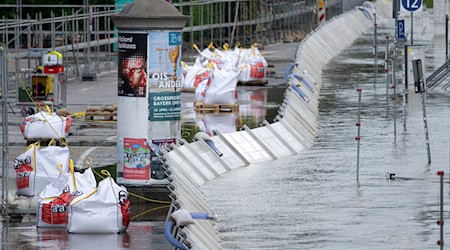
312,200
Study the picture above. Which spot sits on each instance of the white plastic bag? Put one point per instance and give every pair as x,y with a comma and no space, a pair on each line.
105,210
53,200
37,167
45,125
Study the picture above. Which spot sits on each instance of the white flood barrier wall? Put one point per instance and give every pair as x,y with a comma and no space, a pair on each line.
192,164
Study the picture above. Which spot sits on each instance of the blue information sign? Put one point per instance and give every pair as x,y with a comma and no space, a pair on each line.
401,28
411,5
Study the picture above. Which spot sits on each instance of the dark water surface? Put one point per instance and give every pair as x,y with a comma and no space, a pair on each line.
312,201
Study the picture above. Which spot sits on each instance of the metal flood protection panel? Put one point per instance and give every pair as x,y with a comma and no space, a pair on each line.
192,164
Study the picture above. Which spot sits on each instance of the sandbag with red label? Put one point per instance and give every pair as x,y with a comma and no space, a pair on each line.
53,200
256,66
105,210
195,75
46,125
38,166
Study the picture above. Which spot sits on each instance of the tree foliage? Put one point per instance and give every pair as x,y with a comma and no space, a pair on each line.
10,12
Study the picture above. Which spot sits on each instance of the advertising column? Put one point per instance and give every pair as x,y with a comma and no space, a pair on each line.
149,85
133,149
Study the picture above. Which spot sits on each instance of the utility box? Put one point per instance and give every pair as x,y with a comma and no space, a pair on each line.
419,84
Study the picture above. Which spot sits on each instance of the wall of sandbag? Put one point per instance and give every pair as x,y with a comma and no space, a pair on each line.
192,164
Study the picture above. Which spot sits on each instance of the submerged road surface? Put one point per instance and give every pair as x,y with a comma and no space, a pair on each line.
312,200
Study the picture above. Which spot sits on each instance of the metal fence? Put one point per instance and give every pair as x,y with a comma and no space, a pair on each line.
72,29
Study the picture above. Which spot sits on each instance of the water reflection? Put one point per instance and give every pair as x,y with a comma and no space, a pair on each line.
140,235
256,104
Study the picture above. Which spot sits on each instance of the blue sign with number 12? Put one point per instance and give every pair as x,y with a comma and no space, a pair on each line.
411,5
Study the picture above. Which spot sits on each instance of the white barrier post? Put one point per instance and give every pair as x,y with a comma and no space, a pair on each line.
440,222
358,137
394,96
375,59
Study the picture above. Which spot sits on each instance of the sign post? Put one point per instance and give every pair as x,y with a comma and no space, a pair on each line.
412,6
419,87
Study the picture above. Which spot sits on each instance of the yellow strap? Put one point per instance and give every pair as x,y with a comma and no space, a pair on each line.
60,168
51,141
48,109
85,197
36,145
50,198
148,211
105,172
72,171
225,46
195,47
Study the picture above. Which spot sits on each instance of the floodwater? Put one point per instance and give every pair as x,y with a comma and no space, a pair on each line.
312,200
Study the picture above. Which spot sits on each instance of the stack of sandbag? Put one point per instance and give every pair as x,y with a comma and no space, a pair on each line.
105,210
46,125
215,73
54,199
39,166
213,76
101,111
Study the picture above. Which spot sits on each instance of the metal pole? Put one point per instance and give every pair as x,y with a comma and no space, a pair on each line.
375,60
446,37
406,68
386,66
427,139
5,148
412,25
405,87
440,222
52,30
394,96
358,136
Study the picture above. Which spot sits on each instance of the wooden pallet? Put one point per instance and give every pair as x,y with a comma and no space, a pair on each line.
253,83
216,108
100,117
189,90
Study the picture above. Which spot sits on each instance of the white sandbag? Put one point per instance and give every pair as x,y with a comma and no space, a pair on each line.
196,74
255,66
45,125
233,56
37,167
106,210
222,89
53,200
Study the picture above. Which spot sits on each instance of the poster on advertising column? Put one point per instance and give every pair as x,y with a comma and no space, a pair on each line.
157,169
164,106
136,159
164,65
132,60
